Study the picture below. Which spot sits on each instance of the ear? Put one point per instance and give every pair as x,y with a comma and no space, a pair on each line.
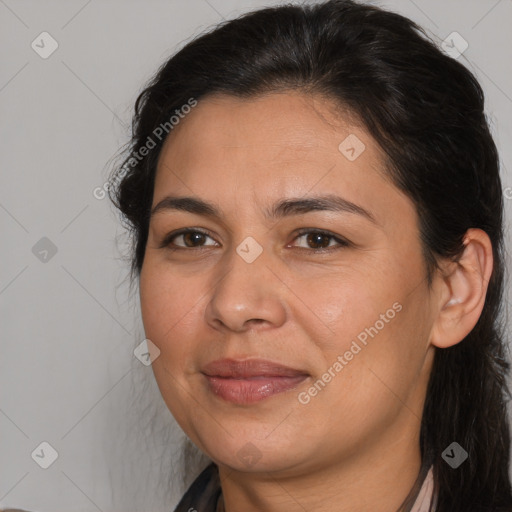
462,288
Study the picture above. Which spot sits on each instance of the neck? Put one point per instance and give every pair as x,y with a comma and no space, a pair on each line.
377,479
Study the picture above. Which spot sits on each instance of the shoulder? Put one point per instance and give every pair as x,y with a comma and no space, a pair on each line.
203,493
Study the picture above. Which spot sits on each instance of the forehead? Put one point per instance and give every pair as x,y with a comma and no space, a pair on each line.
264,130
277,121
273,146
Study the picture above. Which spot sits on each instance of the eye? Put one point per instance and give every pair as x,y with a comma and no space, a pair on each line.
191,238
319,240
316,240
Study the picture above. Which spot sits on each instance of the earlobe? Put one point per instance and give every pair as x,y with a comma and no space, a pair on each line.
462,291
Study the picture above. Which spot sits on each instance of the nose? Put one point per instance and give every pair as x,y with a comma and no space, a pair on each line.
247,296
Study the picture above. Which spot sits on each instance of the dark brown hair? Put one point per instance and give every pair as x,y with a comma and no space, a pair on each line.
426,111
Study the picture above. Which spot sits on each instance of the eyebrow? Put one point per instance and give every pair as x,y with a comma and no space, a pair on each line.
283,208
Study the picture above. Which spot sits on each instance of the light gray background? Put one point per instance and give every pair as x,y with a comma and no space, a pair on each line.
69,325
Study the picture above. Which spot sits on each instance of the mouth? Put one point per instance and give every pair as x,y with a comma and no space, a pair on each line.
245,382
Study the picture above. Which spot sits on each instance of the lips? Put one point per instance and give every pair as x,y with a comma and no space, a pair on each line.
248,381
237,369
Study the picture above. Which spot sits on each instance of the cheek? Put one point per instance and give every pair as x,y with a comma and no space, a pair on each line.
336,309
168,307
373,322
382,357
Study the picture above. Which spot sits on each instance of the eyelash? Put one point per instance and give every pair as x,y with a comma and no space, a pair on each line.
342,243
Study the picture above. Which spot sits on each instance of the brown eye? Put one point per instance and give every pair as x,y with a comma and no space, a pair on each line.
319,240
193,237
190,238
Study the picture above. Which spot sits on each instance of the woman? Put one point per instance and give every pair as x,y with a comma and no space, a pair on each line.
316,210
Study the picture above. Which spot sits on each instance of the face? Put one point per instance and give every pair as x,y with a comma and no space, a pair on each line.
303,270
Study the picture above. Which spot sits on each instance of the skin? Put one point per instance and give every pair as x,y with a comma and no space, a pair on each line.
355,445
